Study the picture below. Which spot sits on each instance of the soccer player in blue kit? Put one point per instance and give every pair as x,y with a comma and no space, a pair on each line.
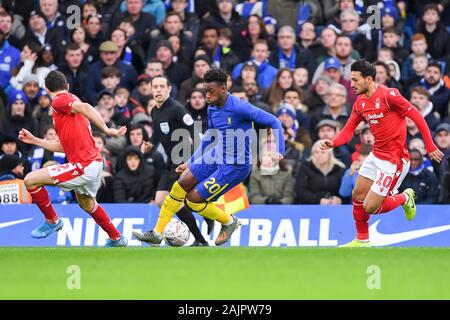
222,161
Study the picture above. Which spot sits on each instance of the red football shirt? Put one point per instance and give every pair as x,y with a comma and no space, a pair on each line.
385,111
74,131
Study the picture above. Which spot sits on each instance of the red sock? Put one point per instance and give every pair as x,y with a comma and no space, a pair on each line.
361,220
40,197
391,202
102,219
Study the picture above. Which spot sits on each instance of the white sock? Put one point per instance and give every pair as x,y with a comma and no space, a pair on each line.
407,197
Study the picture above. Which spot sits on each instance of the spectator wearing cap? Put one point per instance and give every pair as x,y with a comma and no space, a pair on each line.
106,100
335,108
108,57
266,72
191,22
135,183
76,70
438,38
333,69
9,145
433,82
343,48
297,139
42,112
288,55
176,72
143,22
249,72
319,178
31,89
40,34
173,26
420,98
18,116
442,139
271,25
11,168
223,58
202,64
423,181
9,59
55,20
348,181
327,129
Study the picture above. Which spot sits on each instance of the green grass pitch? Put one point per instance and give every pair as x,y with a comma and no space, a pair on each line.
225,273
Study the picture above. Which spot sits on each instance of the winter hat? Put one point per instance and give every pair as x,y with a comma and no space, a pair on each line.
15,95
9,162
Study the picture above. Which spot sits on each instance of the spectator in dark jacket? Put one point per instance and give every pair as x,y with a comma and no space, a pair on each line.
420,97
75,70
135,182
108,57
223,58
438,39
423,181
318,180
18,116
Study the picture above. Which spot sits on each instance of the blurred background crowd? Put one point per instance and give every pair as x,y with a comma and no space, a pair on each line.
290,58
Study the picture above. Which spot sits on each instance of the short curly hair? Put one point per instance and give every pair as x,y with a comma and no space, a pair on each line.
216,75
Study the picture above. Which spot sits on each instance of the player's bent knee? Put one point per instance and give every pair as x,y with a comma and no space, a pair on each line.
358,195
195,206
369,207
30,180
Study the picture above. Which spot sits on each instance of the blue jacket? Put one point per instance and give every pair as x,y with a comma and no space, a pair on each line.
266,74
9,59
347,184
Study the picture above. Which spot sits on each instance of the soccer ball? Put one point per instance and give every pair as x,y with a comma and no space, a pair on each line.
176,233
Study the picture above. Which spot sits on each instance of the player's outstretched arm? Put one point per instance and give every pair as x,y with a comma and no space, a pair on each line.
433,151
89,112
346,133
27,137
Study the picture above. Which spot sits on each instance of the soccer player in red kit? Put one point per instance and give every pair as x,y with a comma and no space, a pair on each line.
82,173
385,168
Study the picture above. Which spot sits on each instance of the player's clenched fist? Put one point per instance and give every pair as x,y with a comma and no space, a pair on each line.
26,136
326,144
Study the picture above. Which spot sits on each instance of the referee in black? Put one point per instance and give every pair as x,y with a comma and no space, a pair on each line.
168,116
